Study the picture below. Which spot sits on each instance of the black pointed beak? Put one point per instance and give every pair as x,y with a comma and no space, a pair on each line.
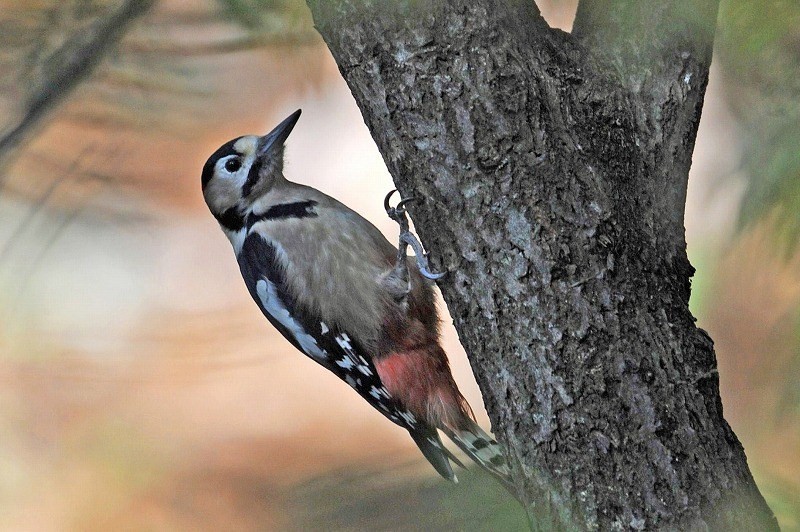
276,137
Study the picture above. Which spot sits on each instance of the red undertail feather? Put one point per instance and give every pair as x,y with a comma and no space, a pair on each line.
420,379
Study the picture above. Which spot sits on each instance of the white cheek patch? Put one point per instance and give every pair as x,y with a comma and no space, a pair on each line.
274,306
222,193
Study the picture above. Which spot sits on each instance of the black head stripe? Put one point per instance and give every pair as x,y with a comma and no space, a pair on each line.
223,151
252,176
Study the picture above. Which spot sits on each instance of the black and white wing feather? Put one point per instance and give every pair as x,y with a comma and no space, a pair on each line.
325,343
329,345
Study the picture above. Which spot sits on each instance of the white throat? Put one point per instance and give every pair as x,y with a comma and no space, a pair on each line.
236,238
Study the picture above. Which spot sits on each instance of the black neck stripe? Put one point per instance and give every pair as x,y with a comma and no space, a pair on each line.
231,219
297,209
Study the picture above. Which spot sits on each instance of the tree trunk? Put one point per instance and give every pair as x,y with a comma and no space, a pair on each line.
553,168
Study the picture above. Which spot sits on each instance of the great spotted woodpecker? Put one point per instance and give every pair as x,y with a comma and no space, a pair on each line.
330,282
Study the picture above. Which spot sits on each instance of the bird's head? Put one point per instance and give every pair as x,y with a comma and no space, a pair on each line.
242,170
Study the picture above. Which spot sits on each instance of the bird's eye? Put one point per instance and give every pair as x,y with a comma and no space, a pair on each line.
232,165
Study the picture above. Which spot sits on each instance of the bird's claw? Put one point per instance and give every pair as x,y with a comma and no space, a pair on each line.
425,272
387,198
401,207
386,205
395,212
407,238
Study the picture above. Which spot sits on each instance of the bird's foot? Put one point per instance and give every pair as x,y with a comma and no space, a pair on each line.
398,213
407,238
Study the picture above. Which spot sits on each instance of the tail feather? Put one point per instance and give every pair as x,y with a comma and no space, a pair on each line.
429,442
483,449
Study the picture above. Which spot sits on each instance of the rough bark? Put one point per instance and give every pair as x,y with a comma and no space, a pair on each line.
554,170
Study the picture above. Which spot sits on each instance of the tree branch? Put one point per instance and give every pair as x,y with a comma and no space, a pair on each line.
62,70
660,53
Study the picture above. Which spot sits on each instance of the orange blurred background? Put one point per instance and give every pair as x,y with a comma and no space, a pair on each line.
142,389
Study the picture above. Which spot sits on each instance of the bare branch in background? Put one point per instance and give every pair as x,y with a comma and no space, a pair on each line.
65,67
36,206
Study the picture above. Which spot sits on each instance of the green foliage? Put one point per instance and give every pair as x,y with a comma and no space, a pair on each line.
702,281
782,497
398,500
788,408
269,16
758,44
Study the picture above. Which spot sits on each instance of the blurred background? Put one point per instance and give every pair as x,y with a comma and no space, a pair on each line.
140,388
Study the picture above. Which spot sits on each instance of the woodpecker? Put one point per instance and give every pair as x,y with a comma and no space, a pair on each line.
343,295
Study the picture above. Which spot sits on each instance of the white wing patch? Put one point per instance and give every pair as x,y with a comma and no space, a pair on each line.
351,360
408,417
377,393
344,342
346,363
269,299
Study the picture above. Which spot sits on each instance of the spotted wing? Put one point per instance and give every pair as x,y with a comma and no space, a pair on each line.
328,345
